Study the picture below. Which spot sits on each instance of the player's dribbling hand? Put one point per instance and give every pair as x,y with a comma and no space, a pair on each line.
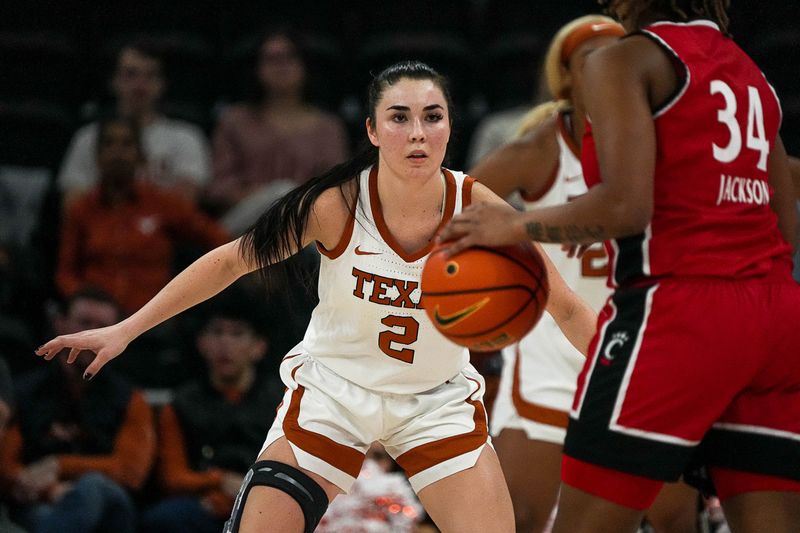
482,224
106,343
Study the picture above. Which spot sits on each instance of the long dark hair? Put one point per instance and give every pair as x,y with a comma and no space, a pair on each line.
278,232
685,10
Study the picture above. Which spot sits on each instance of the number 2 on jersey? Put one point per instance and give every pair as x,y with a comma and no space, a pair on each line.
408,336
756,137
594,263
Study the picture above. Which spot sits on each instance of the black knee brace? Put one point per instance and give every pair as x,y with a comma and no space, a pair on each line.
306,492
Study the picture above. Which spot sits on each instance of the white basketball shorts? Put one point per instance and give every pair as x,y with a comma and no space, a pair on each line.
330,422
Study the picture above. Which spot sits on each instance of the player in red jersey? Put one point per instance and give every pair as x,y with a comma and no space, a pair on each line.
694,361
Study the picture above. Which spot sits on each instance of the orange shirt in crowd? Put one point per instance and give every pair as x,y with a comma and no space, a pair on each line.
128,249
128,464
176,475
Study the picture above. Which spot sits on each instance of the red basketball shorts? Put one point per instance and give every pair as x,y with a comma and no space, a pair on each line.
686,371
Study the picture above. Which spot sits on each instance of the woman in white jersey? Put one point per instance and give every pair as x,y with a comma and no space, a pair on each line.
371,367
538,382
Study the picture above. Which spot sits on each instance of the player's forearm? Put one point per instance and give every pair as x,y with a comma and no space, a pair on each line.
576,319
783,201
578,323
596,216
794,168
199,281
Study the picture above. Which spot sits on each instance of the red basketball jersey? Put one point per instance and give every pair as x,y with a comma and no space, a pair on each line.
711,206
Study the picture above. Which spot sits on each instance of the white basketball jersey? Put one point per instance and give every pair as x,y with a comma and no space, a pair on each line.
586,275
368,326
540,374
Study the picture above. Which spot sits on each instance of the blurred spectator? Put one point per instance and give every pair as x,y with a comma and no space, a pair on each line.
23,287
6,396
214,428
493,131
6,406
77,448
265,146
177,153
121,235
500,127
381,501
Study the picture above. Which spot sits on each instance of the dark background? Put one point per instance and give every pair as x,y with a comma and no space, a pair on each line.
55,56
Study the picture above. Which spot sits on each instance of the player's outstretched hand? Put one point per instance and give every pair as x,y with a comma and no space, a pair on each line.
105,343
483,224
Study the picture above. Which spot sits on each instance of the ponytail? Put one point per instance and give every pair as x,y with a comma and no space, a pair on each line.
539,114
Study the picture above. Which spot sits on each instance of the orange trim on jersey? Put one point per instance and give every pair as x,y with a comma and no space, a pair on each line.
562,130
532,411
431,454
466,191
535,197
341,246
383,229
343,457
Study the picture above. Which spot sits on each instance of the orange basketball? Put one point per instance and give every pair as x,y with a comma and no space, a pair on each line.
485,298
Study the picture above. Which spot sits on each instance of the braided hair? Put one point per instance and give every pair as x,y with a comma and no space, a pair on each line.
685,10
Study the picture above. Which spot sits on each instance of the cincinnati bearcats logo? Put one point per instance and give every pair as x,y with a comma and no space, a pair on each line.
359,251
617,341
448,321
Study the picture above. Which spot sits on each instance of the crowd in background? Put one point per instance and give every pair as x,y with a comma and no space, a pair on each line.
128,151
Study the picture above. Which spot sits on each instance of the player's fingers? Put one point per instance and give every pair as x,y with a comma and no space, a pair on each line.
94,367
52,346
73,354
53,351
453,229
457,246
445,235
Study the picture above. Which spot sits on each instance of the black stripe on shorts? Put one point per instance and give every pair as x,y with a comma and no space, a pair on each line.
589,438
629,264
739,449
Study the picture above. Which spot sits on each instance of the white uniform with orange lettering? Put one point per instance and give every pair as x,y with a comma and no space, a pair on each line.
372,367
539,374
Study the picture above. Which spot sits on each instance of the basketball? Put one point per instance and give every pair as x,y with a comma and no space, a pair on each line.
485,298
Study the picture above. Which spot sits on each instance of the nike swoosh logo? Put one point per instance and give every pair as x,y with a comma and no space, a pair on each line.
448,321
360,252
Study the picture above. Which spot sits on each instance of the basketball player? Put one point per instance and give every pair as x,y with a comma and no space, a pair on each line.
694,360
537,385
371,366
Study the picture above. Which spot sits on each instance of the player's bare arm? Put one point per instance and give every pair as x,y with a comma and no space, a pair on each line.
201,280
330,215
794,167
524,164
783,200
626,80
573,315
